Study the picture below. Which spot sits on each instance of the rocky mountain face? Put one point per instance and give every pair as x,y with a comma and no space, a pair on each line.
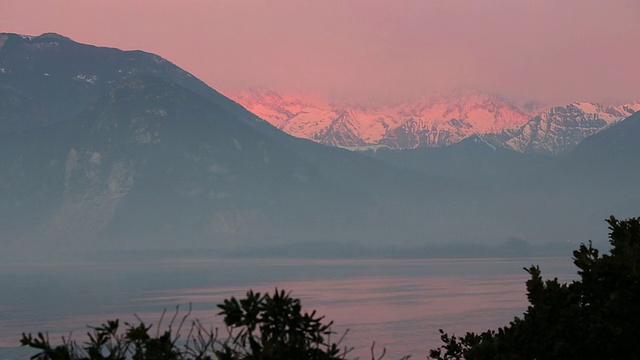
435,122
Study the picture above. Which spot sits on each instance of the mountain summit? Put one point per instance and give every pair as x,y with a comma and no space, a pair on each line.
50,78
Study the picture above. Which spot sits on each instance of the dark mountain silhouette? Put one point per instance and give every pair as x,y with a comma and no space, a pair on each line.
608,162
154,159
618,143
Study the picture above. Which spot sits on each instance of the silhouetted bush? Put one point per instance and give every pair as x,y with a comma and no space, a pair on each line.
596,317
273,327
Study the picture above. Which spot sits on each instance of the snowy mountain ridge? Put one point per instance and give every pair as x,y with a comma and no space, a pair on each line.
558,130
434,121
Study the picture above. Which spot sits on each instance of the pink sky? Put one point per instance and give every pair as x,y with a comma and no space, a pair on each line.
548,50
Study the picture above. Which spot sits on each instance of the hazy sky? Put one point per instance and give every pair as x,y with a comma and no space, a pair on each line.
550,50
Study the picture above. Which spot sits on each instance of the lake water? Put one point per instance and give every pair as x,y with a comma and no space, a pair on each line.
400,304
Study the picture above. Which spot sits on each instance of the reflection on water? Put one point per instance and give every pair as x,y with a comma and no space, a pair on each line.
400,304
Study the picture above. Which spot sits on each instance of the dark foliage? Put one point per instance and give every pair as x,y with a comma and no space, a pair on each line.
261,327
595,317
274,327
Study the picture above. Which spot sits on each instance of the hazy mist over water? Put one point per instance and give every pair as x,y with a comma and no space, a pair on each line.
400,304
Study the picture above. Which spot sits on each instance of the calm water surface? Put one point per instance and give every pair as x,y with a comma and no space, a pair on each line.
400,304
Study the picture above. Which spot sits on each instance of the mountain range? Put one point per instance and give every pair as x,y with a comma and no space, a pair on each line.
110,150
434,121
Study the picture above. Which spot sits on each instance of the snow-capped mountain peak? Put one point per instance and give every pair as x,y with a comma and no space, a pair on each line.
432,121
